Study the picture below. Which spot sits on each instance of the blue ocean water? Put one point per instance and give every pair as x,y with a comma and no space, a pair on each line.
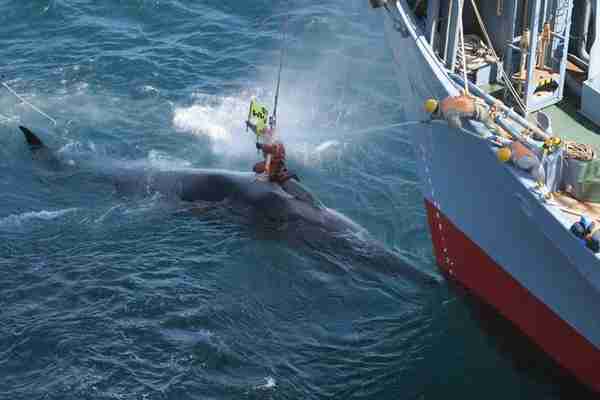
106,296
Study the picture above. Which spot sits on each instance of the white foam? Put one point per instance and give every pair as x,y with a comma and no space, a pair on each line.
82,86
20,219
73,147
202,120
156,159
5,120
269,384
106,213
150,89
160,160
219,118
327,145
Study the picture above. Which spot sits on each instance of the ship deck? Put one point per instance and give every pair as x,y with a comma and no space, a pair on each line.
568,123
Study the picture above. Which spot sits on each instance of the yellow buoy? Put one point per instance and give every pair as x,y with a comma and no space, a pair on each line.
504,154
431,105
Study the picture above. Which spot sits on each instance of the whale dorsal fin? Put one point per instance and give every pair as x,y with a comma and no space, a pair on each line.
34,142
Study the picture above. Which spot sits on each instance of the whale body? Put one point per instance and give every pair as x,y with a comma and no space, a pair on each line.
290,207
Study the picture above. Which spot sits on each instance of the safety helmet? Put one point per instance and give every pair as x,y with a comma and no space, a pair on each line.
431,105
553,143
504,154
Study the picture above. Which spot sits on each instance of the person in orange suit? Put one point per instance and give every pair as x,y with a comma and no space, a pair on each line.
454,108
274,164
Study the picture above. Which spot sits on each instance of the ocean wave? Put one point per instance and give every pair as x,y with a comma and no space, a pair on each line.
20,219
150,89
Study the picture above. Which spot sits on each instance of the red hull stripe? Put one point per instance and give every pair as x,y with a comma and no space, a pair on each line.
466,262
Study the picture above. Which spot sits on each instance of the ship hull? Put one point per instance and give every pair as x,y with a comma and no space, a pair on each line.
489,230
490,282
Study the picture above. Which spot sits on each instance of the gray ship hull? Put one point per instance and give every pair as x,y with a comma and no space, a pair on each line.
489,230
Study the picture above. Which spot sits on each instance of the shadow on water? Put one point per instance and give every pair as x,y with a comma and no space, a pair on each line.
338,252
514,346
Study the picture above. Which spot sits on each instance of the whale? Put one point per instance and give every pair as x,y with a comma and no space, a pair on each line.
288,202
287,210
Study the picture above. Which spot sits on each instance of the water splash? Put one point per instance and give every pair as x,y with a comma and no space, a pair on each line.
163,161
329,144
200,120
218,118
20,219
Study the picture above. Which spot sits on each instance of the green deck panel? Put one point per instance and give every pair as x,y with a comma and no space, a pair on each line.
569,124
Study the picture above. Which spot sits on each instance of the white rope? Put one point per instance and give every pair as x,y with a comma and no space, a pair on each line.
28,103
509,85
380,128
386,128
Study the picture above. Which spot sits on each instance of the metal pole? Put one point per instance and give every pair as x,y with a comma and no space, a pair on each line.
462,46
491,101
283,39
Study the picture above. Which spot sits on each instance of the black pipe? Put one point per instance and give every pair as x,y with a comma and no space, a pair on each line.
584,31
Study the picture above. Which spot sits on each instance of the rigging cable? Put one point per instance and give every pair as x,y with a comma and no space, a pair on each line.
273,118
28,103
462,45
273,121
509,84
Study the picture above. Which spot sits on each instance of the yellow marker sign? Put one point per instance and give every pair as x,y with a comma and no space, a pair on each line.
259,117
